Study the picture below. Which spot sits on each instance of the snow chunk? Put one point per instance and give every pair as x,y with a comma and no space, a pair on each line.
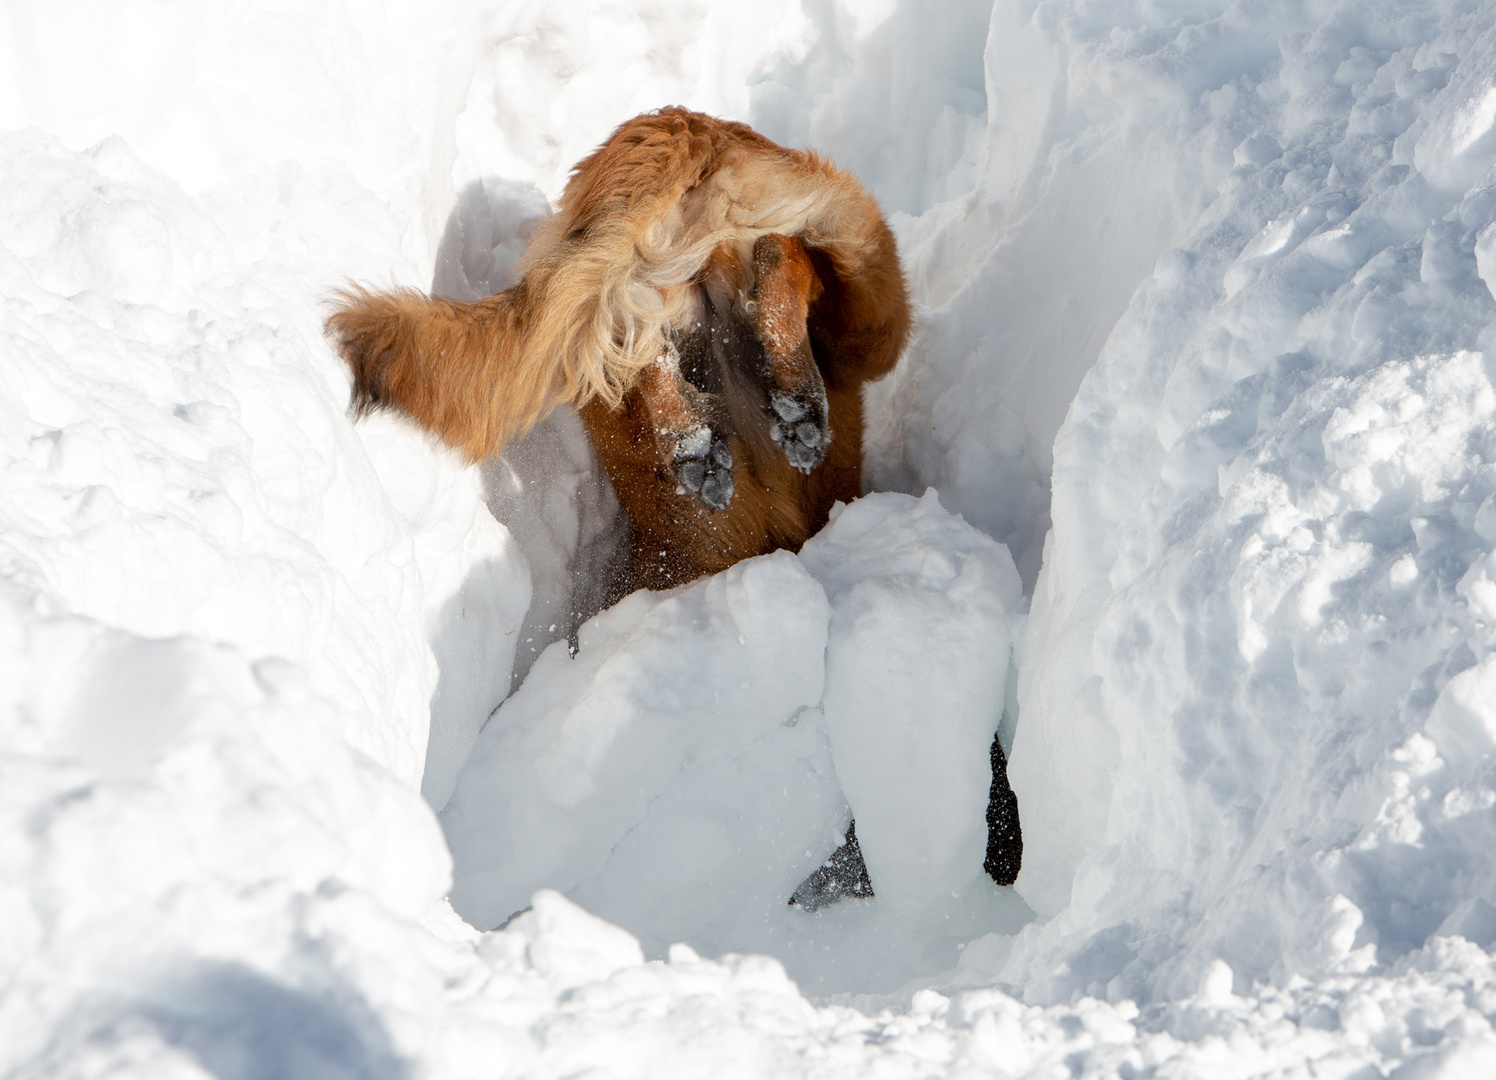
1462,722
564,943
925,611
706,748
667,751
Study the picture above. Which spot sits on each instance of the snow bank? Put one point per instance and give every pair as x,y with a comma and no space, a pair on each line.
215,602
1261,630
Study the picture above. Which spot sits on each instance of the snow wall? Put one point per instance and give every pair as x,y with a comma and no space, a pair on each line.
1210,286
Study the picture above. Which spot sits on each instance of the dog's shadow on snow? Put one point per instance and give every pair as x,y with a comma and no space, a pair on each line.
546,489
239,1024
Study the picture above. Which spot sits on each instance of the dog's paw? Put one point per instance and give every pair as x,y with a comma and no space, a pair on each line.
703,465
800,429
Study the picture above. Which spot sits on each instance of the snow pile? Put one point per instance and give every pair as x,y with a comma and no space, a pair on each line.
1240,257
707,748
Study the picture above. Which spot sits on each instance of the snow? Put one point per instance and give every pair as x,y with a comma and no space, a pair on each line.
1264,587
1207,292
922,605
614,764
707,748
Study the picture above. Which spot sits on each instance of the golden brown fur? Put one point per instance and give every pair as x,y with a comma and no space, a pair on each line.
693,274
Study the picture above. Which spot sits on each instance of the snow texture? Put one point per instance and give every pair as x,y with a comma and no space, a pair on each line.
706,749
1264,609
1207,300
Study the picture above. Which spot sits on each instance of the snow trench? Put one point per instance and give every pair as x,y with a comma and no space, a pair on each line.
1186,487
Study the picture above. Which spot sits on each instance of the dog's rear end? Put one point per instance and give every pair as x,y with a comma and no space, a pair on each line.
710,301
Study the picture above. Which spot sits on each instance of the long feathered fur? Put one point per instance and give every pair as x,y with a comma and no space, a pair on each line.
613,273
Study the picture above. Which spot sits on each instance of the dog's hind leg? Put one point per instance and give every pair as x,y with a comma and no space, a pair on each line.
784,284
860,321
691,440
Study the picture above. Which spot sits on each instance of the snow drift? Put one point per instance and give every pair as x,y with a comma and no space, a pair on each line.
1211,286
1268,636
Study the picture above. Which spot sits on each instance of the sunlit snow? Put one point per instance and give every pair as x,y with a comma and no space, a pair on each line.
1187,487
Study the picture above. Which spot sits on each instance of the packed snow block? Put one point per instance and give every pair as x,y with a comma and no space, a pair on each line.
724,845
570,946
1462,722
925,610
665,773
1458,144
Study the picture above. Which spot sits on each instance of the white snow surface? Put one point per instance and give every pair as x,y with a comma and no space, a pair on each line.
1207,300
707,748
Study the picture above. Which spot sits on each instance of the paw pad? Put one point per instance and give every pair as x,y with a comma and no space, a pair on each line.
703,465
800,430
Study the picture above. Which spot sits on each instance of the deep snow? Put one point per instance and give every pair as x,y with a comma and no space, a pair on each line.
1221,277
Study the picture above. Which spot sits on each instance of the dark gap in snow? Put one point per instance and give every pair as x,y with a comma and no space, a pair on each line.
1004,836
843,874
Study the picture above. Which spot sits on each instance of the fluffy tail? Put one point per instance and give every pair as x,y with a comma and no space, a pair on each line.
612,273
459,370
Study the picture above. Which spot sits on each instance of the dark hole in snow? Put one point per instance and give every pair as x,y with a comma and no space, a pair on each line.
1004,837
843,874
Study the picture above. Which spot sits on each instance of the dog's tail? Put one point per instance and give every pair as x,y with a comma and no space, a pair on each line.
460,370
612,273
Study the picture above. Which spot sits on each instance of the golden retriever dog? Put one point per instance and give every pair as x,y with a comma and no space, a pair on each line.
710,301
